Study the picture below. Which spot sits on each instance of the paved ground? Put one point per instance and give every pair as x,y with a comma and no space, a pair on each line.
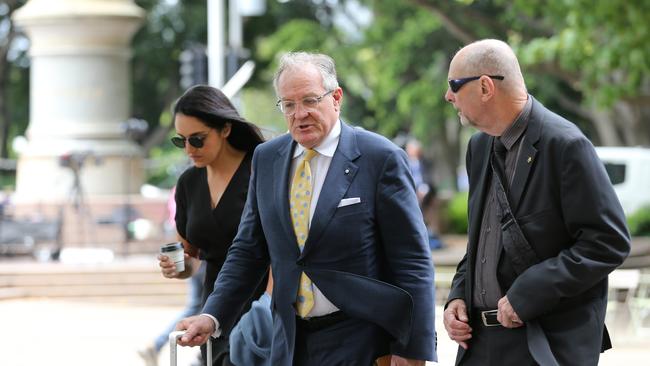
54,332
75,333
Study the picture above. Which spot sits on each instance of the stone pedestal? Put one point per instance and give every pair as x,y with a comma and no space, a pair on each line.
79,100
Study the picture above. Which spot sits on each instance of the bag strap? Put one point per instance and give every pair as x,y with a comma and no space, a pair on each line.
522,256
514,242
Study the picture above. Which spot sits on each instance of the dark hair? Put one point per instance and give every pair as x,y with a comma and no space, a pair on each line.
214,109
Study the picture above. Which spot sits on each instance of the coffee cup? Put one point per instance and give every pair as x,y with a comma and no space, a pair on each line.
175,253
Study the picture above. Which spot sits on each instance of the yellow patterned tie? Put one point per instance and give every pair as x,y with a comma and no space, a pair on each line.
300,201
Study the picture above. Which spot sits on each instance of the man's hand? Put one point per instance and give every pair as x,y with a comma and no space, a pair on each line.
506,315
456,322
401,361
198,329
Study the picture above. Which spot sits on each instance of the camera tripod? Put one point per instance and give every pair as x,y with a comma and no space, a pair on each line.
76,196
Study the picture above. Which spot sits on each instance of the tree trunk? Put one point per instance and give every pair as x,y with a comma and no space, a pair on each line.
606,129
624,124
631,118
4,111
444,150
5,44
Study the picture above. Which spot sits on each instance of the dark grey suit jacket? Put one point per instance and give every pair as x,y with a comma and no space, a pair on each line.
565,205
370,259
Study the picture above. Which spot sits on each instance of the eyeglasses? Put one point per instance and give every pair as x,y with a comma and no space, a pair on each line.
309,104
456,84
194,140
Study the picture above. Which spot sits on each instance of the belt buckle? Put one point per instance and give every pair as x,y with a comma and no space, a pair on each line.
492,320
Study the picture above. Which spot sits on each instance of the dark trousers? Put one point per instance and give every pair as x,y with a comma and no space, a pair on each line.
496,346
350,342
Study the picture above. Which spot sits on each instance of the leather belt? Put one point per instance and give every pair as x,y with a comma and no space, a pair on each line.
488,318
320,322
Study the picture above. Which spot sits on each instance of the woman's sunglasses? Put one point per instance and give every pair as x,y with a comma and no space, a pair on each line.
194,140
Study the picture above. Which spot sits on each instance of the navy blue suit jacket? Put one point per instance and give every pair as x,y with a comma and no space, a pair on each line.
370,259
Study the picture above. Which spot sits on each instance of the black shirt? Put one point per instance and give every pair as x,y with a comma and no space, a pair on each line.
211,230
487,290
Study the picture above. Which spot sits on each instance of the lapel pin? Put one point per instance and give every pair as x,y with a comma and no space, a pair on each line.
347,171
530,158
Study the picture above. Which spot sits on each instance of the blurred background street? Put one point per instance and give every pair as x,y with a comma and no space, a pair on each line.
87,165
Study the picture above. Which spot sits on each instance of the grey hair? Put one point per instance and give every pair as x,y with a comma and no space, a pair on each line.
494,57
323,63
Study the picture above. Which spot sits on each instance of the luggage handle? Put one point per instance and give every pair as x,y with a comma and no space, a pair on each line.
173,342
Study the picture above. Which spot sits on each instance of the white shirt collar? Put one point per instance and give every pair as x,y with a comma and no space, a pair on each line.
328,146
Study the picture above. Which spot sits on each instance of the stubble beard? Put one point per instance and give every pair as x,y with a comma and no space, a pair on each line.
464,121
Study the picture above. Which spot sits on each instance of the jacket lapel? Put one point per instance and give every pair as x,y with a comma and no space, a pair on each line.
479,177
480,166
527,156
340,175
282,166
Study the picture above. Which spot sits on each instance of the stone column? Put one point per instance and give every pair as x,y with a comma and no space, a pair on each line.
79,99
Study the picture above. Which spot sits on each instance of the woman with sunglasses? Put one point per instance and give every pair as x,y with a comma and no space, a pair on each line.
210,195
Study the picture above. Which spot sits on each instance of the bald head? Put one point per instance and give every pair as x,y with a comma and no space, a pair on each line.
491,57
482,99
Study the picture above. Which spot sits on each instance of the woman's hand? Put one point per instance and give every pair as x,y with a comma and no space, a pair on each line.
168,268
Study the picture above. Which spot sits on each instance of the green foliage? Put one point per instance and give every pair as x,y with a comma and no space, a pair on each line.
17,101
407,80
166,163
601,46
394,68
392,79
456,213
168,29
299,34
259,108
14,81
639,222
7,181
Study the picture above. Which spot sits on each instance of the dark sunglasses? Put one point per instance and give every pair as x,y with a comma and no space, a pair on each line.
194,140
456,84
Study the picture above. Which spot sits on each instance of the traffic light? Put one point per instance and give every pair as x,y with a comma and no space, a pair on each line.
193,66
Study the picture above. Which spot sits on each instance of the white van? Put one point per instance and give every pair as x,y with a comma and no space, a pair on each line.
629,171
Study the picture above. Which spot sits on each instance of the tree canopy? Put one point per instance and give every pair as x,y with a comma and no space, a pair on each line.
588,61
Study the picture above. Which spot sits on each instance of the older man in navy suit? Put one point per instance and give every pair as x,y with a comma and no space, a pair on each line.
333,209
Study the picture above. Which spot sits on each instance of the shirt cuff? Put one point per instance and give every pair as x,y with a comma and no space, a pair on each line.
217,330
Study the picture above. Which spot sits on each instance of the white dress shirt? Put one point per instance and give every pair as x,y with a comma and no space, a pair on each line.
319,165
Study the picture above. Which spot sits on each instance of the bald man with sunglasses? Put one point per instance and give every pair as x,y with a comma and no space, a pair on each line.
545,227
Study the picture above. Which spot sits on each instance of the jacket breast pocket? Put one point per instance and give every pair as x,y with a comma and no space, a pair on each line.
348,228
353,209
535,216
